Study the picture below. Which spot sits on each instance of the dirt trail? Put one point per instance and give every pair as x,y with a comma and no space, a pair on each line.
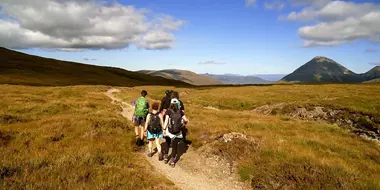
193,171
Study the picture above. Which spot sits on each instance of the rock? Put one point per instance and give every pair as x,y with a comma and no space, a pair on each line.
233,135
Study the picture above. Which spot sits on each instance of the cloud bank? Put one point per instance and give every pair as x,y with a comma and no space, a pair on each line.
73,25
337,22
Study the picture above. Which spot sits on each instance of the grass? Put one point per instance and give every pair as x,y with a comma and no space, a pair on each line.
73,138
68,138
289,153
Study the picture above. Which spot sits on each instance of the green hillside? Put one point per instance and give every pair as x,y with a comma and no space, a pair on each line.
20,68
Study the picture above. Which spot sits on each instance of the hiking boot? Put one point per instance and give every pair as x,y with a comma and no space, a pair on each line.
141,142
166,160
150,154
172,162
160,157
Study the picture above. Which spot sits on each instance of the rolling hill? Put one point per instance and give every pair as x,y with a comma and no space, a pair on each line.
325,70
373,81
183,75
20,68
238,79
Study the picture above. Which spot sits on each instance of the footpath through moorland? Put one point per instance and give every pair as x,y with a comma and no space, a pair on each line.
192,171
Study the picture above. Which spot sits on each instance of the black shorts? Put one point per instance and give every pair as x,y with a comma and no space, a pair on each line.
139,121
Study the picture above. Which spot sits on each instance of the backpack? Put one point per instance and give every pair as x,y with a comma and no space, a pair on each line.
178,103
154,125
141,109
175,122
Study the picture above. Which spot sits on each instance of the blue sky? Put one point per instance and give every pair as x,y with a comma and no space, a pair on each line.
241,39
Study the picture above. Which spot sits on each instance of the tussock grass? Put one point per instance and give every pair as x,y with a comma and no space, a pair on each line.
68,138
290,153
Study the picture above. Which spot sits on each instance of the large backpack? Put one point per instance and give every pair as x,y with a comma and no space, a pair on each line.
154,125
175,122
141,109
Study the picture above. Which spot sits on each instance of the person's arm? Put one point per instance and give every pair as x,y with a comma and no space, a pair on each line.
185,119
162,121
147,122
166,121
165,124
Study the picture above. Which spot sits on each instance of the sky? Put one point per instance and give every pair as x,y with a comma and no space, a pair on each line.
205,36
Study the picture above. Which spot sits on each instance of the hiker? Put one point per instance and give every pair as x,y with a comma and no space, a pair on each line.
165,102
175,95
154,127
139,117
174,122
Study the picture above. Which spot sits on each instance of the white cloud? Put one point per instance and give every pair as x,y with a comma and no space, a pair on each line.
274,5
307,14
339,22
250,3
82,24
211,63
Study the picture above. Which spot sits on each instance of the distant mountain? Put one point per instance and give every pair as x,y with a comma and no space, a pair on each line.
270,77
238,79
323,69
20,68
372,74
183,75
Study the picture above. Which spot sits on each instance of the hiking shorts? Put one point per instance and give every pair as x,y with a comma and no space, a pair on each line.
139,121
155,135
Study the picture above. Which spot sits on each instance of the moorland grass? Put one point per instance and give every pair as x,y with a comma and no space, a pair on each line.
68,138
288,153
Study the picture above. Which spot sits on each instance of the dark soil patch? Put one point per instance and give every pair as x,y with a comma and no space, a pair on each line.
10,119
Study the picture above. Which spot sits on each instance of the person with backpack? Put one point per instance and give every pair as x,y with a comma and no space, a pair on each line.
174,122
139,117
154,127
175,96
165,101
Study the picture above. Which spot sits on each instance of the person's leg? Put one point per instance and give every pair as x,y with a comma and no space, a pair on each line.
166,149
158,145
175,143
137,131
135,122
142,132
167,145
175,151
150,146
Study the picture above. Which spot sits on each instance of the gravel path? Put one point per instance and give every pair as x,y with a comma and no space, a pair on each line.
193,172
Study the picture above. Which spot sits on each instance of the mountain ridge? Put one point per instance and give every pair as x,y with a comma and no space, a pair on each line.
183,75
238,79
325,70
